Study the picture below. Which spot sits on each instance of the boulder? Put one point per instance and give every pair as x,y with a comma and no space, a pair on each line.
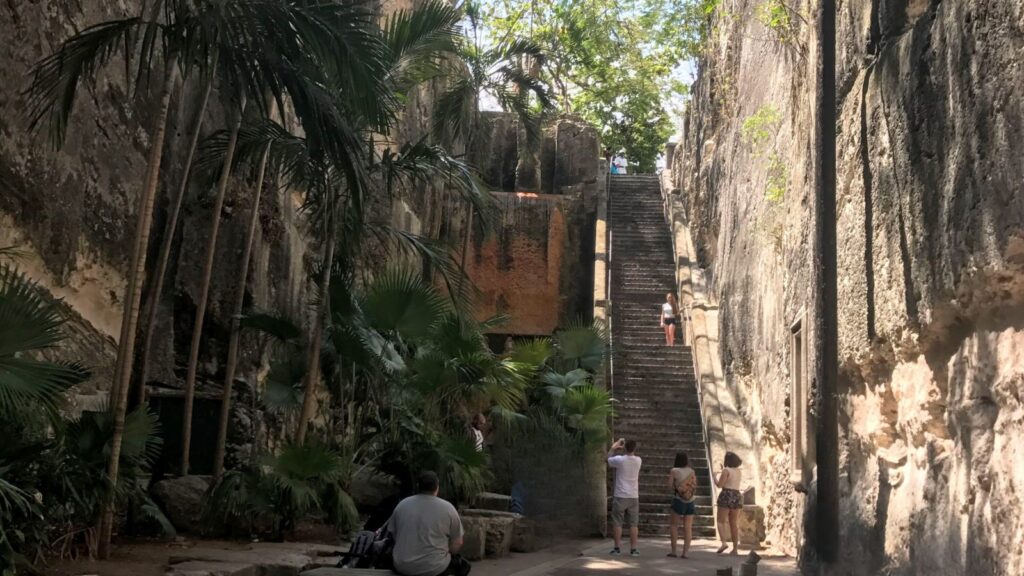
369,487
524,536
751,526
181,499
492,501
499,536
474,538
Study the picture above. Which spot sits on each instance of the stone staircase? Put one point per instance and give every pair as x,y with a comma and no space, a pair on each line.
655,386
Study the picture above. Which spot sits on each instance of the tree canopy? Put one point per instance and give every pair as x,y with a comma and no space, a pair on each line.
618,64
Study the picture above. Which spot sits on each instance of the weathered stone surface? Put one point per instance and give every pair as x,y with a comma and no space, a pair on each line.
524,536
269,561
181,500
499,536
369,488
751,526
474,538
492,501
201,568
931,282
483,513
325,571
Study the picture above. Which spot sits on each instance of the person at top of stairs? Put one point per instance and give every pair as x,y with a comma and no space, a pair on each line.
669,313
626,499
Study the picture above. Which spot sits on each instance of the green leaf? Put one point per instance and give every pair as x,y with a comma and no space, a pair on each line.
400,302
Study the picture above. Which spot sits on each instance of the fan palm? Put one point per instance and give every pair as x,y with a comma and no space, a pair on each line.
30,322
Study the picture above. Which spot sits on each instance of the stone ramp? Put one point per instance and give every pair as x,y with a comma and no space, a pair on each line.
655,386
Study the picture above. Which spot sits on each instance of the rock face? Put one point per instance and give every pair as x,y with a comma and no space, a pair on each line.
931,269
181,500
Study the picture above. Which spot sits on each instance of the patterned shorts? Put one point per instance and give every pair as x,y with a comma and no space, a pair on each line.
730,499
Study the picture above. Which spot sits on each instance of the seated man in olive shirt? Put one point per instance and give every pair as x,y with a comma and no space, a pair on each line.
428,534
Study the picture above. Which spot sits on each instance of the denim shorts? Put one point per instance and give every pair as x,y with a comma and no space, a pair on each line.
682,507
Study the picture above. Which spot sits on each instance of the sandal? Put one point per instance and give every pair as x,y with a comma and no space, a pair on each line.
672,555
722,549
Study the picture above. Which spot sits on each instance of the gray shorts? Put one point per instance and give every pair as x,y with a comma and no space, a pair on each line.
626,512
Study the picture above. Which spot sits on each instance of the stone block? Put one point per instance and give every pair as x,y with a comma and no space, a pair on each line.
524,536
752,526
492,501
181,499
474,538
325,571
201,568
499,536
269,561
480,513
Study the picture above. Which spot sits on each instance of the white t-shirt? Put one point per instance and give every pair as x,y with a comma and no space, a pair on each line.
667,311
424,528
478,440
733,477
627,475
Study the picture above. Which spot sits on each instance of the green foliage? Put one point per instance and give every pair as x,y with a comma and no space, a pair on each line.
271,495
778,179
53,480
759,127
617,65
30,322
777,17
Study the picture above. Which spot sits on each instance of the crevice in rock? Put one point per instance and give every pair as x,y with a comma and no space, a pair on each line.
869,217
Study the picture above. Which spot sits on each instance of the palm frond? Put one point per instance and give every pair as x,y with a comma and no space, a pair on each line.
29,322
417,40
400,302
56,78
535,351
582,345
455,110
282,328
587,410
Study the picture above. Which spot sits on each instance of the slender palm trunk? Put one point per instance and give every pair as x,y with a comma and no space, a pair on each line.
133,296
153,303
236,317
204,289
313,373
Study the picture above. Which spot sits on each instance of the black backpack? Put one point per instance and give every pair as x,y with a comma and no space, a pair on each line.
369,550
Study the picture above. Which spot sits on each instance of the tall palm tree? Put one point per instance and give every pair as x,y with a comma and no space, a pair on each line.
504,70
261,45
51,96
157,283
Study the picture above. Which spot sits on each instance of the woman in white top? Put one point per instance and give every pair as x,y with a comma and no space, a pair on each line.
683,481
730,501
669,313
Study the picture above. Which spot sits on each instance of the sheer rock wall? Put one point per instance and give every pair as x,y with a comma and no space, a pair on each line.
931,266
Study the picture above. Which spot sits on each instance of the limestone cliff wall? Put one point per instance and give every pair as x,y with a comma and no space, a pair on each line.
931,257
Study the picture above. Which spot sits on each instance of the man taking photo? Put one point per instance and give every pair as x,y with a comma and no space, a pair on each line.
626,498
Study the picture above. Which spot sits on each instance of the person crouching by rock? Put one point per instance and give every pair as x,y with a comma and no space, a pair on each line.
428,533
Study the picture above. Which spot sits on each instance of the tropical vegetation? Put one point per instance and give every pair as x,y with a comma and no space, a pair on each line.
390,366
617,64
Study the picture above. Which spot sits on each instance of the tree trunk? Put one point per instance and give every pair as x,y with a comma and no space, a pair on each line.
204,289
313,372
156,290
826,293
133,296
236,318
